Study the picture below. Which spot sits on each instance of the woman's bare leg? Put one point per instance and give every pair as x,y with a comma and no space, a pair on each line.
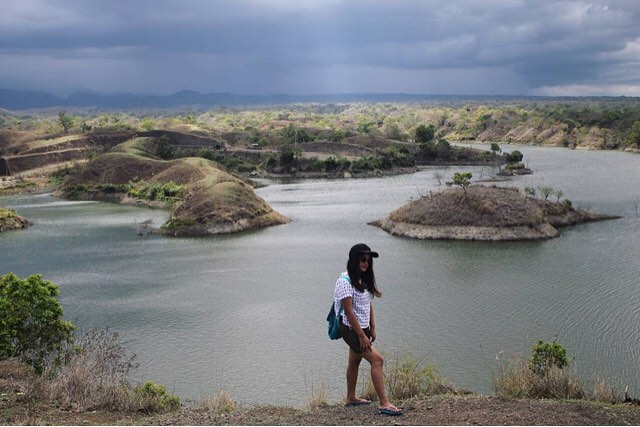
377,377
352,375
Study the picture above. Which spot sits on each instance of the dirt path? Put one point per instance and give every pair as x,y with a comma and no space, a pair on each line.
440,410
437,410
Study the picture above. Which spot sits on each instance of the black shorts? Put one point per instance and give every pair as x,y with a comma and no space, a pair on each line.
351,338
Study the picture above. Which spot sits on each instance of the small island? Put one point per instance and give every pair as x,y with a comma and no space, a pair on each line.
484,213
203,198
10,220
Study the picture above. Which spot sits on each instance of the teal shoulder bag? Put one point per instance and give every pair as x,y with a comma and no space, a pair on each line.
334,321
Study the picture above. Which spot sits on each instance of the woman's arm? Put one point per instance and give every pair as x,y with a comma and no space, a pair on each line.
347,304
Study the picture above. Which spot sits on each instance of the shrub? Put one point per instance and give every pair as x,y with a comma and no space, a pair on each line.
546,191
530,191
516,379
514,157
330,163
547,354
95,373
410,377
156,397
164,150
31,325
8,213
167,191
547,374
424,134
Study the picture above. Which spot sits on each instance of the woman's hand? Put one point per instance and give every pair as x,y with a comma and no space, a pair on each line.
373,333
365,343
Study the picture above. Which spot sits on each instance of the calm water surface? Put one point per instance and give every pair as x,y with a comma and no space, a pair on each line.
245,313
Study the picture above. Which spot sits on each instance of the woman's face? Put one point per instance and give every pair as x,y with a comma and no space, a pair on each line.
365,260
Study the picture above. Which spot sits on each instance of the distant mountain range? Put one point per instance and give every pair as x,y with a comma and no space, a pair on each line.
11,99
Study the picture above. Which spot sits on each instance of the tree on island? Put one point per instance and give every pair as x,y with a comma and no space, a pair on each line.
463,180
515,157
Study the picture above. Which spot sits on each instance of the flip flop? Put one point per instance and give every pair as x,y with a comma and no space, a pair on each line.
391,412
359,403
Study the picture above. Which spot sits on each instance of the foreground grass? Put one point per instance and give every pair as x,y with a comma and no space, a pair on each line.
522,398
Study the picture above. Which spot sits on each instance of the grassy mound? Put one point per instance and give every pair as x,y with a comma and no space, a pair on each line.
483,213
10,220
204,198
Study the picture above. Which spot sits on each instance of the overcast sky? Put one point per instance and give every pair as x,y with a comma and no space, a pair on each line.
301,47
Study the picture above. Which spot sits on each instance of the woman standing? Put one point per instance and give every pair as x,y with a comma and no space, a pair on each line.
355,289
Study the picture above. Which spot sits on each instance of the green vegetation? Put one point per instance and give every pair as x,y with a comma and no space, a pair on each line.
46,359
462,180
7,213
156,191
407,377
65,121
549,374
515,157
634,135
157,397
424,134
164,150
608,123
31,326
546,355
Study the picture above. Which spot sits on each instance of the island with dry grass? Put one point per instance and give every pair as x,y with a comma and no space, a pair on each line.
484,213
10,220
203,197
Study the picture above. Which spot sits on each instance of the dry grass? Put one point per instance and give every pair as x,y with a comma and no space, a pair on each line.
408,377
479,206
96,374
220,403
115,168
16,377
515,379
605,392
318,397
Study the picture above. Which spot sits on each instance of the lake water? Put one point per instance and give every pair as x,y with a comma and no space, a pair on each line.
246,313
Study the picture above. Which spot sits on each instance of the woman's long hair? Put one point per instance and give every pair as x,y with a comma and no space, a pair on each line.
368,278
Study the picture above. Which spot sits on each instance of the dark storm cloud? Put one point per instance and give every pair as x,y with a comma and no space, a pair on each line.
324,45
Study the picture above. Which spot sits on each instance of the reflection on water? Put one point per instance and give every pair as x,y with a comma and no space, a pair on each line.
245,313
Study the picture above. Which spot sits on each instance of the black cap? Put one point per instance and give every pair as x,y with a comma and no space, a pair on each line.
361,249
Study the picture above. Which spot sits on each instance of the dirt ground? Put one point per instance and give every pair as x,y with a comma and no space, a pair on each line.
438,410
